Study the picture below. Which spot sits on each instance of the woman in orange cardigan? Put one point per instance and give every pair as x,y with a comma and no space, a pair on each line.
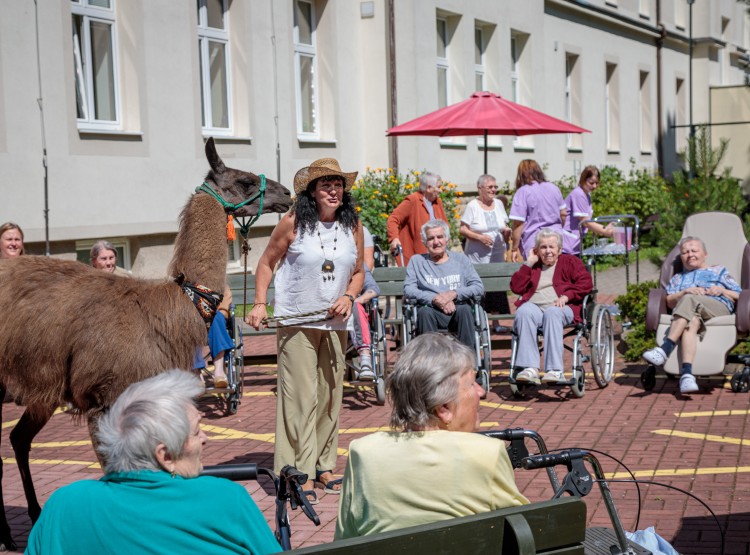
405,223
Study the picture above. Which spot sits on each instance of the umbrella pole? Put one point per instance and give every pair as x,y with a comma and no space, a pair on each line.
485,151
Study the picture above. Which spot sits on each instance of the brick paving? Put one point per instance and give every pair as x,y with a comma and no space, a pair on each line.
696,443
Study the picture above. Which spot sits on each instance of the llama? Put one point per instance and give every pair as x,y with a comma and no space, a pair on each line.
75,335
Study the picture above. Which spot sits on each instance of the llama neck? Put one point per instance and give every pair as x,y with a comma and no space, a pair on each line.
200,249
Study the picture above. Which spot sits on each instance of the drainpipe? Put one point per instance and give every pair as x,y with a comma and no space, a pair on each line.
659,123
391,31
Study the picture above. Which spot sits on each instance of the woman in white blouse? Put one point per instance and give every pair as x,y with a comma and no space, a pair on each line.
484,224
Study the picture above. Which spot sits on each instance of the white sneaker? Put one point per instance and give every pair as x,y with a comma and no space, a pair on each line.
365,370
688,384
655,356
553,376
530,375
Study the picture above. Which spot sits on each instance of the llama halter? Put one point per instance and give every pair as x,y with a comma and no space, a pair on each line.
229,207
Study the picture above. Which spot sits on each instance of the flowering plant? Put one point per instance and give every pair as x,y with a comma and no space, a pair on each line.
379,191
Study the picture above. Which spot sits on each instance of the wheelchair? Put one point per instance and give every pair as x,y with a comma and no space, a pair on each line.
234,367
726,244
593,341
378,351
482,341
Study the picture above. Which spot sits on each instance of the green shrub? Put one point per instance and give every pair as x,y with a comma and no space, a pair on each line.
378,192
633,305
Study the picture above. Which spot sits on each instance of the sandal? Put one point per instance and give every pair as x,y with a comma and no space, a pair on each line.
312,496
329,486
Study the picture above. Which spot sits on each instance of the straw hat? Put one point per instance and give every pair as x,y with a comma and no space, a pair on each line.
320,168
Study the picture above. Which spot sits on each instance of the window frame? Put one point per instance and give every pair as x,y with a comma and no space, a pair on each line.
572,85
442,63
82,60
612,108
644,101
206,36
479,66
309,51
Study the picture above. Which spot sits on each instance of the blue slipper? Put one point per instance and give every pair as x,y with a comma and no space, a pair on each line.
328,486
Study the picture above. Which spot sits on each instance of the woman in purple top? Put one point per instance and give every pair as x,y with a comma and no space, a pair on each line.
579,208
536,204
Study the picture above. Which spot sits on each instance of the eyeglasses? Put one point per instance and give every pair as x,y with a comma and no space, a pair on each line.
491,187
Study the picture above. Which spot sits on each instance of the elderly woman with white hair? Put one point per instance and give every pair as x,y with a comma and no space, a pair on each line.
551,287
151,499
432,466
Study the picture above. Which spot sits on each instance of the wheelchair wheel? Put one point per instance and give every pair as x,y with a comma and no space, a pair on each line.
409,325
236,369
379,350
484,350
740,382
648,378
602,344
579,383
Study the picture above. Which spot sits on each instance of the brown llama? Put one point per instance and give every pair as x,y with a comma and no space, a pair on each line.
75,335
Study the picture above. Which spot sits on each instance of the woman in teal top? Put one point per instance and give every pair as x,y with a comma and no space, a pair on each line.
152,499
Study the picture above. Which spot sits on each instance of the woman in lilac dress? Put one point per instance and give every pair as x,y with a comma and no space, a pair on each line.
579,208
537,204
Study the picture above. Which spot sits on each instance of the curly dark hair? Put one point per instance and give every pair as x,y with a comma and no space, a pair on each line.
306,213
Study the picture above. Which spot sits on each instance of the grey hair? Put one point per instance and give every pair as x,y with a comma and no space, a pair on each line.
690,238
100,246
426,376
432,224
545,233
484,178
427,179
146,414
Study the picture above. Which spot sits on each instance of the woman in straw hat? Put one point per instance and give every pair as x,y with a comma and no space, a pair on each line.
319,245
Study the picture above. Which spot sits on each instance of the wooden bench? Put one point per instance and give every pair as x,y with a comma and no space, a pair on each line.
495,277
557,527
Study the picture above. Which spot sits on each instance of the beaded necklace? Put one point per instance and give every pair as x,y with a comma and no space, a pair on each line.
328,265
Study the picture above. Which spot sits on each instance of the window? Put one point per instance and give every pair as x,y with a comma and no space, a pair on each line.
519,75
573,104
680,115
121,245
680,13
479,47
442,63
213,51
644,8
645,102
514,55
95,60
305,66
612,109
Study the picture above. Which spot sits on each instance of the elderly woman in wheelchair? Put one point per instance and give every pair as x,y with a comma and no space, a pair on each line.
551,287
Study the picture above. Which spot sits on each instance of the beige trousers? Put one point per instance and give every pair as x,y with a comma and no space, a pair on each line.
309,392
702,306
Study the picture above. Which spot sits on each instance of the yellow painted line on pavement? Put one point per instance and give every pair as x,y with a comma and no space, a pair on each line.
704,413
704,437
87,464
503,406
681,472
228,433
259,394
11,423
62,444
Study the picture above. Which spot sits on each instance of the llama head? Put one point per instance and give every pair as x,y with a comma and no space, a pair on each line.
236,186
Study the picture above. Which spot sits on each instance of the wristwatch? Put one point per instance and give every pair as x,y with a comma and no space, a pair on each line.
349,297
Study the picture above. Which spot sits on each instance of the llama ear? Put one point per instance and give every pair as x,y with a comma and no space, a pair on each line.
213,157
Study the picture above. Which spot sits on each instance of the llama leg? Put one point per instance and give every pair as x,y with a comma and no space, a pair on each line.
20,439
6,541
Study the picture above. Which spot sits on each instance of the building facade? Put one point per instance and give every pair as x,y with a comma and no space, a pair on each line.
106,103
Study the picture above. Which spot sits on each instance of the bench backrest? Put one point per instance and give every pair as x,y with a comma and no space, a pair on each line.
557,527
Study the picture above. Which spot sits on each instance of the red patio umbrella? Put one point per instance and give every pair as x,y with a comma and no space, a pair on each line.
485,114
